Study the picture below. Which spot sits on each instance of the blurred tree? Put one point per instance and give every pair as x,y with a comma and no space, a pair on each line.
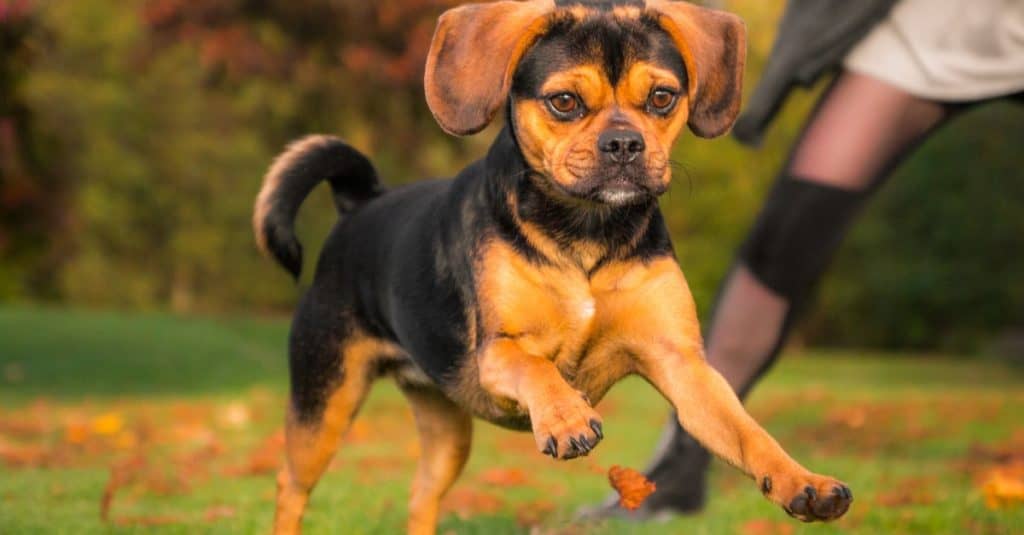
33,195
137,132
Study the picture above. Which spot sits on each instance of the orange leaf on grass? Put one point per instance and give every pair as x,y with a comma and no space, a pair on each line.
632,486
217,512
504,477
467,502
1004,486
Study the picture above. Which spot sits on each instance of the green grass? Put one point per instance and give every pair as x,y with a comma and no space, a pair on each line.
904,431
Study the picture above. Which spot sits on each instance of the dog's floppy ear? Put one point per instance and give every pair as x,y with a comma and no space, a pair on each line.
472,57
714,47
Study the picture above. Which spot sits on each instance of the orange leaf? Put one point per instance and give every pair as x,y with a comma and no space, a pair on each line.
1004,486
632,486
504,477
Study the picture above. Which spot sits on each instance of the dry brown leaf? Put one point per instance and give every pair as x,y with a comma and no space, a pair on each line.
632,486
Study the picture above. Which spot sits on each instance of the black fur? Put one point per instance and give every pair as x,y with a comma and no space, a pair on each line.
600,5
401,266
570,42
353,181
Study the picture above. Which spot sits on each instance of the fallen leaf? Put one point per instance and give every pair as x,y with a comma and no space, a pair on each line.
219,511
632,486
504,477
76,433
107,424
1004,486
21,455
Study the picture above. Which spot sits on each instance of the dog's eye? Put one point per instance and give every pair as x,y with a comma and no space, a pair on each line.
564,104
661,100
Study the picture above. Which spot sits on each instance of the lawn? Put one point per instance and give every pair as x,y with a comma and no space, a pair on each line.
171,425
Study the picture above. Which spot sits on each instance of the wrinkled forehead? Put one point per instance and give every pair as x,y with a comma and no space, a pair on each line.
600,5
612,36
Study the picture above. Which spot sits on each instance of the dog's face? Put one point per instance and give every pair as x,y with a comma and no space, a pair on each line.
598,90
597,103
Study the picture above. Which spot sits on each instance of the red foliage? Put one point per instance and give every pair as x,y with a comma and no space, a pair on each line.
385,41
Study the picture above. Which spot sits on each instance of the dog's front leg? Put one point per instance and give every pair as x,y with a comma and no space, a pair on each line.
708,408
564,424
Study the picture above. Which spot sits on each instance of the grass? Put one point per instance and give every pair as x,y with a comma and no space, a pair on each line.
184,413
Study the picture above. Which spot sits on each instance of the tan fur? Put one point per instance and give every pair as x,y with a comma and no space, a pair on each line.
309,449
464,86
714,47
446,432
672,360
552,337
555,333
566,152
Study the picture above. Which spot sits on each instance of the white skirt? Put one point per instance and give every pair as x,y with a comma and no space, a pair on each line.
947,50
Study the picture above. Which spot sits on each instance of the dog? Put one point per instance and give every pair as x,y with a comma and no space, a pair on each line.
521,290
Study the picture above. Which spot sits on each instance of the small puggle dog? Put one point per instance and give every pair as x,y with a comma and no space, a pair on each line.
521,290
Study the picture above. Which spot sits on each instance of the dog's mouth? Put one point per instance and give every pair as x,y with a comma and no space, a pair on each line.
619,186
621,191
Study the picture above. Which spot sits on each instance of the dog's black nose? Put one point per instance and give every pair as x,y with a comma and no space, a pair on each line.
622,146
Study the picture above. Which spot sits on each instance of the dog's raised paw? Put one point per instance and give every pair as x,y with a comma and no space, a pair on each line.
566,429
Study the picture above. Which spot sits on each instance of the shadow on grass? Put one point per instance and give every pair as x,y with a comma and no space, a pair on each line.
76,353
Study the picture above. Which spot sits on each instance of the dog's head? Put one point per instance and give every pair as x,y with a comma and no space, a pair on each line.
598,90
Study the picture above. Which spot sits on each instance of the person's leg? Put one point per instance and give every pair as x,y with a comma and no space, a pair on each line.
861,129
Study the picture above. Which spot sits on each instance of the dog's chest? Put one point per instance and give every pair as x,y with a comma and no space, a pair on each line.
579,322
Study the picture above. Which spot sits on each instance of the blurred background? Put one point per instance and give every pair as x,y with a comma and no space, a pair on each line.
133,138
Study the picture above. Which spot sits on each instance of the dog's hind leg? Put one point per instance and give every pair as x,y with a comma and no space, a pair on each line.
446,433
330,380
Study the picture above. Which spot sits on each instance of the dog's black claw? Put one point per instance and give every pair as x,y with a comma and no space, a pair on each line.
766,485
809,490
575,446
598,430
585,444
551,448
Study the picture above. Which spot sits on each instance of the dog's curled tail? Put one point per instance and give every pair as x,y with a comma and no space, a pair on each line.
293,175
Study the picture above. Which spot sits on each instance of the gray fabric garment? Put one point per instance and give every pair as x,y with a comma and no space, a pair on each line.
813,38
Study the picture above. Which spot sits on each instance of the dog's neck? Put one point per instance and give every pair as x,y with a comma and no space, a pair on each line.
554,229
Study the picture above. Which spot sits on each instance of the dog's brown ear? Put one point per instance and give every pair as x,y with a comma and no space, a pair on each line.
714,47
474,53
